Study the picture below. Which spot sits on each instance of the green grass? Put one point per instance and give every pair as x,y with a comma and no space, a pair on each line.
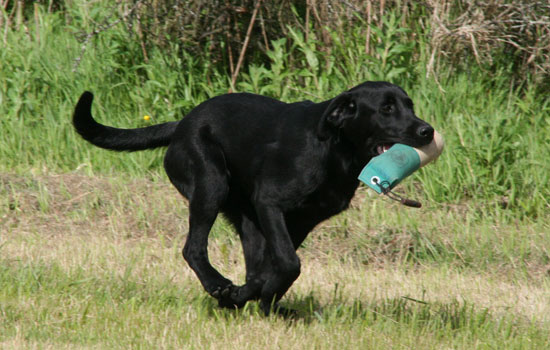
98,265
90,240
496,138
117,312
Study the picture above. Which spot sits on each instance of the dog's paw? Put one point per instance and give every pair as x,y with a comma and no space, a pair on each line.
229,297
234,297
221,291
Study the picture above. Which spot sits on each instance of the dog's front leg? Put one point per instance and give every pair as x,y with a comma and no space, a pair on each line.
257,260
286,267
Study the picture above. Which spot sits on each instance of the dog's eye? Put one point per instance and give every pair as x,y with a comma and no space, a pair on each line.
387,109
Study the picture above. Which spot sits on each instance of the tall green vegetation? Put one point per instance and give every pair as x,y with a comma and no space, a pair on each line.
484,96
93,261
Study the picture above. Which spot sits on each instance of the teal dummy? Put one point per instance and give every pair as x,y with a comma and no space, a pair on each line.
388,169
385,171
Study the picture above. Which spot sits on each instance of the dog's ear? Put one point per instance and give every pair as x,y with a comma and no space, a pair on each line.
341,108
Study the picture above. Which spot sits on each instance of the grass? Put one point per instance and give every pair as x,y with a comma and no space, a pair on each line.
496,136
90,241
97,266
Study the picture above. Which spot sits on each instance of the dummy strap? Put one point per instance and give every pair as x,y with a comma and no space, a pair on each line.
385,188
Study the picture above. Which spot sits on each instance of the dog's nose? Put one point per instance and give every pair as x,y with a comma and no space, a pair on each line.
426,132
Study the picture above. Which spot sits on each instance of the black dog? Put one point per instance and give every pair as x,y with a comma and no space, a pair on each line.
274,169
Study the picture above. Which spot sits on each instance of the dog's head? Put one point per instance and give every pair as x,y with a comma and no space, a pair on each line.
373,116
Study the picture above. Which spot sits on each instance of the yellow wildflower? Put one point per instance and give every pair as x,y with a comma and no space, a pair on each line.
146,117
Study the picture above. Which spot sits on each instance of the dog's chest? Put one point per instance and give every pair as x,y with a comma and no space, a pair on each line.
329,199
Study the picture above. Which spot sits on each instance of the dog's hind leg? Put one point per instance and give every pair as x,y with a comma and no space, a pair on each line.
197,169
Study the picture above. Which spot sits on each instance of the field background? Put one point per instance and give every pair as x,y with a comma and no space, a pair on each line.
90,240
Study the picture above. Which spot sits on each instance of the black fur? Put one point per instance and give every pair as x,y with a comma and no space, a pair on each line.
118,139
274,169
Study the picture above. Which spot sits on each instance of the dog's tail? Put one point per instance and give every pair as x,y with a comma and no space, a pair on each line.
118,139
